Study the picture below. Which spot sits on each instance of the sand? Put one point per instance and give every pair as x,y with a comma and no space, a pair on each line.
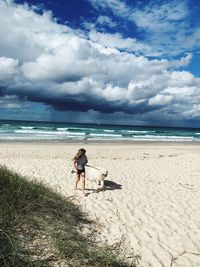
151,202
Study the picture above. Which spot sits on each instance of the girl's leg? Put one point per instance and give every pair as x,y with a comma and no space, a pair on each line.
83,177
77,180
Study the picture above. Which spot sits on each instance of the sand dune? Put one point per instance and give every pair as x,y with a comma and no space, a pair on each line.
151,201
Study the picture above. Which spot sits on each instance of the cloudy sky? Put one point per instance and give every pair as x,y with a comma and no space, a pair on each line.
109,61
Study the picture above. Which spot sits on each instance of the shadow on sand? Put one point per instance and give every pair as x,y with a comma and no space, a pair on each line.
108,185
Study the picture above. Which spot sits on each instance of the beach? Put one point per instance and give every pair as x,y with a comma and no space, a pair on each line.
150,204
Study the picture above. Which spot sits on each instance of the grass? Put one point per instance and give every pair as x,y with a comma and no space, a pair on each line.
40,228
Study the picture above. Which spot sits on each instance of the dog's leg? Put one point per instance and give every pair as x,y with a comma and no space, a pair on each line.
94,184
102,184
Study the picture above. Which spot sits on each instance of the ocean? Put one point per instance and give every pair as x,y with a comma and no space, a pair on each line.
32,130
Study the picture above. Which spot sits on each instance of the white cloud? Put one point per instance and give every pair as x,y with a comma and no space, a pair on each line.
183,78
160,17
167,27
194,112
11,106
183,62
105,20
117,41
9,102
100,23
160,100
117,6
63,64
27,34
8,67
113,93
164,26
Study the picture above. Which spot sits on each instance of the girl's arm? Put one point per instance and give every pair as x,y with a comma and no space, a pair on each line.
75,164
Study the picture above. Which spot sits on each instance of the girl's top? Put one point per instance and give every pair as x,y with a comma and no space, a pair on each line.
81,162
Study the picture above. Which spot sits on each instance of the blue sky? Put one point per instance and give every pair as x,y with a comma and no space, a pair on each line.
109,61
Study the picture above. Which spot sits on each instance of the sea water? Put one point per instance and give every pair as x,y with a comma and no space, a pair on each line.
31,130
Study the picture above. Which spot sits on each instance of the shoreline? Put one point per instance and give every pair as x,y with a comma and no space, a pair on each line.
103,142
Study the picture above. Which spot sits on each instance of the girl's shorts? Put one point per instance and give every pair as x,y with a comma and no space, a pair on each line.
81,171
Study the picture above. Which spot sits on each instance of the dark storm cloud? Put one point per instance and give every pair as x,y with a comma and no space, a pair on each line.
81,102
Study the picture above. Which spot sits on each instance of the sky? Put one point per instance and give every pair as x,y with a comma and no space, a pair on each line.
128,62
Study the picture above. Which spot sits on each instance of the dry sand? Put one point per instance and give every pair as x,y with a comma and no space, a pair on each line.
151,203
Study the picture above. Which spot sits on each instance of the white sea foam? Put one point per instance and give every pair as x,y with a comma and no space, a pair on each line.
109,131
162,138
133,131
36,132
77,133
39,137
27,127
107,135
84,129
23,131
62,129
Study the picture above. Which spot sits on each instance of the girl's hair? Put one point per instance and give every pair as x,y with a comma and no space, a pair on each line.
80,152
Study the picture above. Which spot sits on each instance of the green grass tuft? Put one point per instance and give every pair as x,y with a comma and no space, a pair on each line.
40,228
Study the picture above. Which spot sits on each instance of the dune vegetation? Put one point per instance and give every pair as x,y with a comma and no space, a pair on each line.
39,227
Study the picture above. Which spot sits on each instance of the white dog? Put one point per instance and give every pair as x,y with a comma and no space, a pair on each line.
97,174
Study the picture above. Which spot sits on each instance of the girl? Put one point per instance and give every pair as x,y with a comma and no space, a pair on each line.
80,160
